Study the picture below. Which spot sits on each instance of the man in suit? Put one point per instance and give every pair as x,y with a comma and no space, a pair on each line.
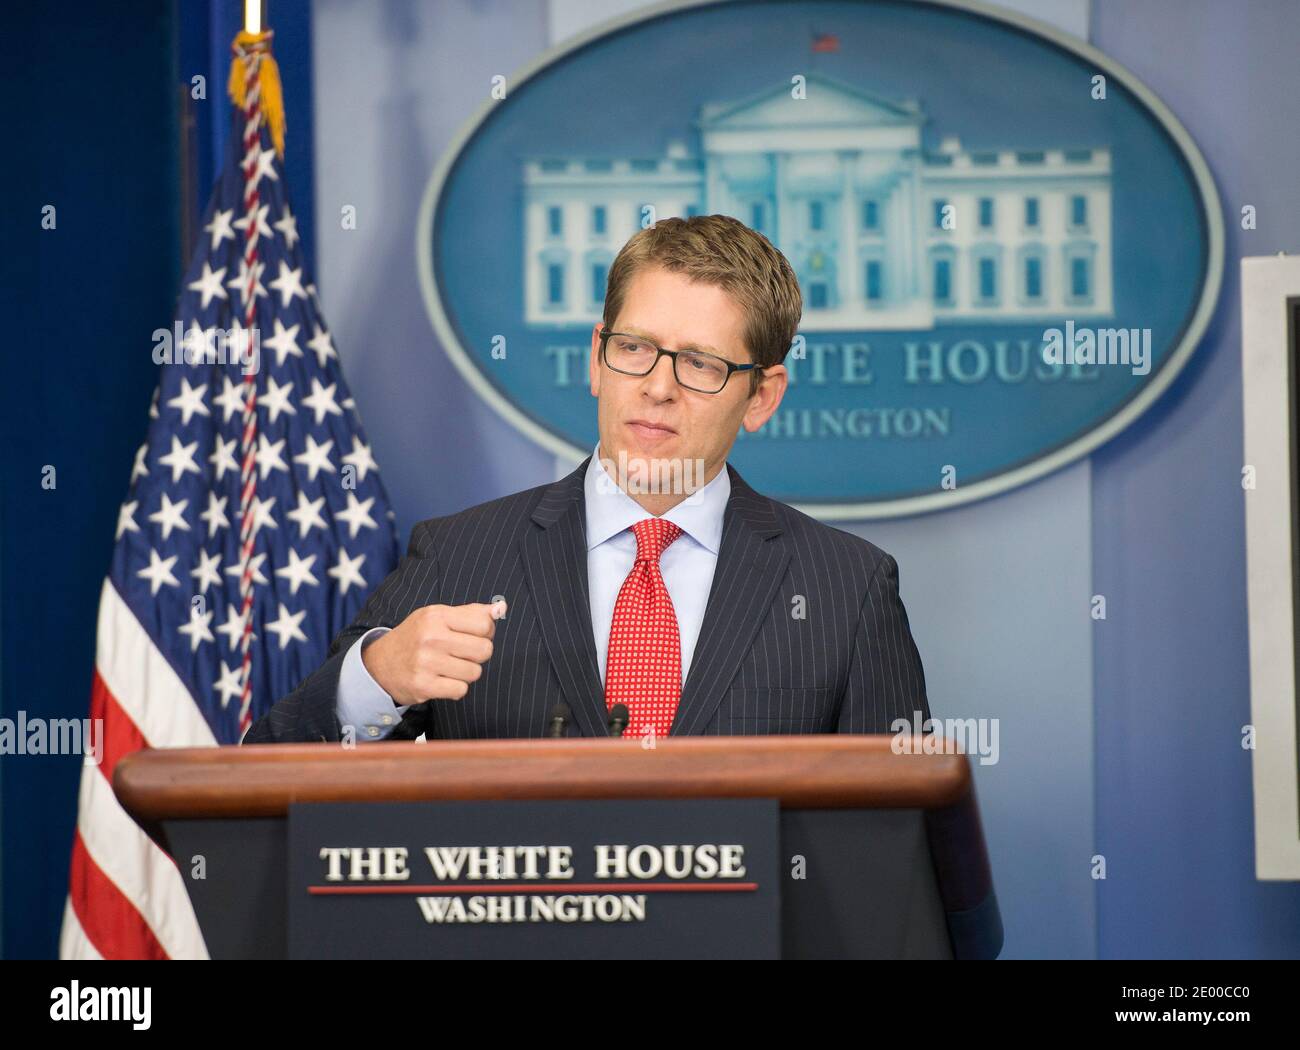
653,576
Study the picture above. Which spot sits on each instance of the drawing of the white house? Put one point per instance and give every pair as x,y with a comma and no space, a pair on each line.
881,233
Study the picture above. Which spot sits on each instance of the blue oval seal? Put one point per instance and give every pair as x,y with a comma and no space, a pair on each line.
1008,247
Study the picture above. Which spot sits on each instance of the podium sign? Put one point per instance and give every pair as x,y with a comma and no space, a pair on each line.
671,878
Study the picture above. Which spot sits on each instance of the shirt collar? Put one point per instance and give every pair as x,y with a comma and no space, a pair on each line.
610,510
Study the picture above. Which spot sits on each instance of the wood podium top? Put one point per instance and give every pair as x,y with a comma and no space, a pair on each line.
803,772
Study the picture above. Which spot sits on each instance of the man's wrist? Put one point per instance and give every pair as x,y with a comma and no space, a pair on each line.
367,640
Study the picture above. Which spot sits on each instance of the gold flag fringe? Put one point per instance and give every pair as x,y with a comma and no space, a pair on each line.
268,77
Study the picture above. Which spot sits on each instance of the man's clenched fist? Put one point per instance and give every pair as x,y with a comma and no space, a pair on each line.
435,652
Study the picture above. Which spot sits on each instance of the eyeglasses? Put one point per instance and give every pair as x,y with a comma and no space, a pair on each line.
694,369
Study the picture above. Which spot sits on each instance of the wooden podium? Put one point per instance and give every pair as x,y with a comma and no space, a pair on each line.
895,839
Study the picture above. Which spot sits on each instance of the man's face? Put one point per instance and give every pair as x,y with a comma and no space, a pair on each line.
671,311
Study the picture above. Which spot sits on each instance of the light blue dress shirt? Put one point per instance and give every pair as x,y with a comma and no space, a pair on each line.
687,566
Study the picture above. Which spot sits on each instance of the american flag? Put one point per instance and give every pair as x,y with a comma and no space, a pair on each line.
254,487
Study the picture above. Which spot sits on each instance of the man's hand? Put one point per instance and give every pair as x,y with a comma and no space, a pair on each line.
434,653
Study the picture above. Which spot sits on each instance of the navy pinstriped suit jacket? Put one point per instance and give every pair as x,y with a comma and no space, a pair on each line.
804,631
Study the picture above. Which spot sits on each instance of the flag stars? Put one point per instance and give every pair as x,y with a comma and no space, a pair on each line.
316,458
322,346
208,571
180,459
308,514
231,683
298,571
288,227
289,284
233,628
223,458
126,519
138,469
237,570
361,458
265,168
169,516
347,571
159,572
357,515
284,342
240,282
209,285
240,344
286,627
215,515
189,401
321,400
258,223
275,399
198,346
263,518
248,252
198,629
231,399
269,457
220,227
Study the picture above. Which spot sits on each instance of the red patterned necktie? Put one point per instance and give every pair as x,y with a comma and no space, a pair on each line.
643,665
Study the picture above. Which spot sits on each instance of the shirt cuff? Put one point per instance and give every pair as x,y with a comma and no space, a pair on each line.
362,702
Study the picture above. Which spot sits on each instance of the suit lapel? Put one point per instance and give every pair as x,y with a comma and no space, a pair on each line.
751,564
555,564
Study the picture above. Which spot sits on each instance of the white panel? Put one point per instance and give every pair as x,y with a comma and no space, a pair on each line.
1266,284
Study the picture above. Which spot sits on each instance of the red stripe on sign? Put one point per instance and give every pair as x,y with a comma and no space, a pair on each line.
110,921
121,735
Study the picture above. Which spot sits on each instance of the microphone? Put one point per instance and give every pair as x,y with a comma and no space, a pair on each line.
618,719
560,715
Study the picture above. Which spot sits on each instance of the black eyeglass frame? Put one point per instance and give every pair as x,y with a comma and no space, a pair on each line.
732,367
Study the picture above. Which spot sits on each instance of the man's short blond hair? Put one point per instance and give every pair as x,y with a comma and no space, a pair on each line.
722,251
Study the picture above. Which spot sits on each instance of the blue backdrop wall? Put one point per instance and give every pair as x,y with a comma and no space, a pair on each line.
87,295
